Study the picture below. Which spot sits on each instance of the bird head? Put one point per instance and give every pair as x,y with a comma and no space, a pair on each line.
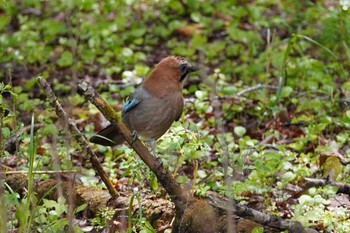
177,65
169,74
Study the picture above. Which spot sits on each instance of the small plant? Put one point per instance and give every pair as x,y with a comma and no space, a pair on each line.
103,216
313,208
6,115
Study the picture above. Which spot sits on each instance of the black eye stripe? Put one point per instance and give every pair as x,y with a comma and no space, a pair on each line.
183,68
183,76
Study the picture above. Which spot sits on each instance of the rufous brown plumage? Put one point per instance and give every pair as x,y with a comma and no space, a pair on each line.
154,106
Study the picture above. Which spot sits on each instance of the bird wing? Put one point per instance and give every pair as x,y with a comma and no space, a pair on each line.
130,104
139,95
178,117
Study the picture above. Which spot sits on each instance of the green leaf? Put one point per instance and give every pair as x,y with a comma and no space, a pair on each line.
4,20
258,230
305,199
288,176
50,129
59,224
286,91
66,59
147,228
153,182
318,44
198,41
239,131
195,16
6,132
347,114
201,95
283,76
80,208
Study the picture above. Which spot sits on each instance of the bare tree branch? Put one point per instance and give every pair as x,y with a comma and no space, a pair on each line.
342,187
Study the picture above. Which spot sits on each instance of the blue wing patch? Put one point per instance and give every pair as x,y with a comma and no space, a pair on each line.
129,105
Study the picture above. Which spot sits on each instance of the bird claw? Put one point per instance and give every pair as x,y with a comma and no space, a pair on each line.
134,135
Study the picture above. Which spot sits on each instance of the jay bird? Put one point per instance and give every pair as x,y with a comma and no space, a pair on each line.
154,106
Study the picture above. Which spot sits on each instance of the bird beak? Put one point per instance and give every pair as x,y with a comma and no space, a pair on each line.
193,68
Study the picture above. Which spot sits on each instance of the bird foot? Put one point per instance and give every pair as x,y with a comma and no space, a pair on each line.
134,135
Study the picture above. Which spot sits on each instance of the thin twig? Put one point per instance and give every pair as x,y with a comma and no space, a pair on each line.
41,172
259,86
78,136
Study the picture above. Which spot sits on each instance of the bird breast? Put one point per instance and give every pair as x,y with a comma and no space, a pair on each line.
153,116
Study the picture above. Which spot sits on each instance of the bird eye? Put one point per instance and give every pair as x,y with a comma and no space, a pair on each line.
183,68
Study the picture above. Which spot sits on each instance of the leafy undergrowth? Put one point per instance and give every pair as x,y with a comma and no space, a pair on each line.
269,107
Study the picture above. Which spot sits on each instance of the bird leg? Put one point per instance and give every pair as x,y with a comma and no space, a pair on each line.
152,143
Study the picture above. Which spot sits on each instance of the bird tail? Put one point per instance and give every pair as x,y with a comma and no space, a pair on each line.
109,136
